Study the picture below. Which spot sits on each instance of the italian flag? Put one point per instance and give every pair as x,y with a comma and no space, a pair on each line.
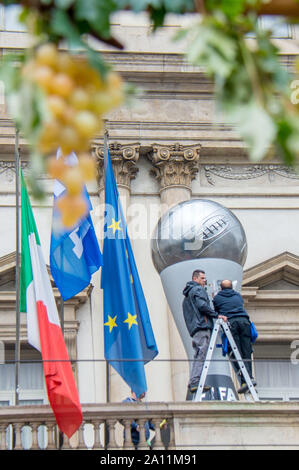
43,325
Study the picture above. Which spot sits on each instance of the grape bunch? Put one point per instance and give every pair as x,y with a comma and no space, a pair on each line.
76,99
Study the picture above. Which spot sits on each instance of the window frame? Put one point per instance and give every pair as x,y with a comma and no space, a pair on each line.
274,352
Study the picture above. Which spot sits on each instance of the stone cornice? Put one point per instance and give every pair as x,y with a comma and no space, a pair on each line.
175,165
284,266
270,297
8,298
150,61
216,140
71,324
265,308
7,262
265,305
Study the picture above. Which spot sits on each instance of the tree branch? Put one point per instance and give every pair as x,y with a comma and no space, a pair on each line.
45,9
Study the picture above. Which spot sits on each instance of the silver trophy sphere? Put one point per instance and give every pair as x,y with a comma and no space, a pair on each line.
199,234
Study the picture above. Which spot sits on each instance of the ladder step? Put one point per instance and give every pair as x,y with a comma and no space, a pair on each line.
220,323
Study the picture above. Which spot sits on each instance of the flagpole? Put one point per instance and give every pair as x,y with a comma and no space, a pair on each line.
17,345
61,435
106,147
62,315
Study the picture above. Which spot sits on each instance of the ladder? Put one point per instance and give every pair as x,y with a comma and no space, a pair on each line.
222,324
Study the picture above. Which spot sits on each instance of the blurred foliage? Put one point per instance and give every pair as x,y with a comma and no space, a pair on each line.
252,88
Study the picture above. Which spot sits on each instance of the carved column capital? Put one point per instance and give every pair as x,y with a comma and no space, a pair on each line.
8,168
175,165
123,158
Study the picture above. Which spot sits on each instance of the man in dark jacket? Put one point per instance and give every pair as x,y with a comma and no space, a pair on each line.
198,316
229,304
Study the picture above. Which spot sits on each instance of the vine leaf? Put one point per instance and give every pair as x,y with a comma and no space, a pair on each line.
256,127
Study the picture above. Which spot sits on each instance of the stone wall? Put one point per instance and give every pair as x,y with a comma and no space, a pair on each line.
171,146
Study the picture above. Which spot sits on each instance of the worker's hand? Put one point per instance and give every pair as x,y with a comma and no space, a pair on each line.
222,317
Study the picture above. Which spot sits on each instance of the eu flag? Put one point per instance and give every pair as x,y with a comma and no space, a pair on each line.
128,334
74,253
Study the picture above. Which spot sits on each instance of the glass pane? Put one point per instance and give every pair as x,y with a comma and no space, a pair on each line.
4,403
31,376
7,377
279,29
277,374
276,24
31,402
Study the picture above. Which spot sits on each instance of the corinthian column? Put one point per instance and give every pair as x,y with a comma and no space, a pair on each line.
124,159
124,162
175,166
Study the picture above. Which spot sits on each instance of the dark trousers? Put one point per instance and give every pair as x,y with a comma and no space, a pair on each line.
241,331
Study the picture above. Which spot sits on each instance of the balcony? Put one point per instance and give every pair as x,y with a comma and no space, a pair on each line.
190,426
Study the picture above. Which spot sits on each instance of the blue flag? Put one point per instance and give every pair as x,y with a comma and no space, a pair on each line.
128,334
74,253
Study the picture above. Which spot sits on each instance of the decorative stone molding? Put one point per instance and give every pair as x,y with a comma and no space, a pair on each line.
8,303
8,168
284,266
70,337
241,173
175,165
271,295
71,325
123,158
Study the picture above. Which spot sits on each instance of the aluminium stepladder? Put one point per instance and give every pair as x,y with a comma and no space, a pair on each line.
221,324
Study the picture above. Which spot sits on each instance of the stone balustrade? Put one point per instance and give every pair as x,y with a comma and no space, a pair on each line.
190,425
106,426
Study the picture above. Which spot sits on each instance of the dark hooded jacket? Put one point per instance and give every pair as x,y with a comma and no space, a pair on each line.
229,303
197,311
